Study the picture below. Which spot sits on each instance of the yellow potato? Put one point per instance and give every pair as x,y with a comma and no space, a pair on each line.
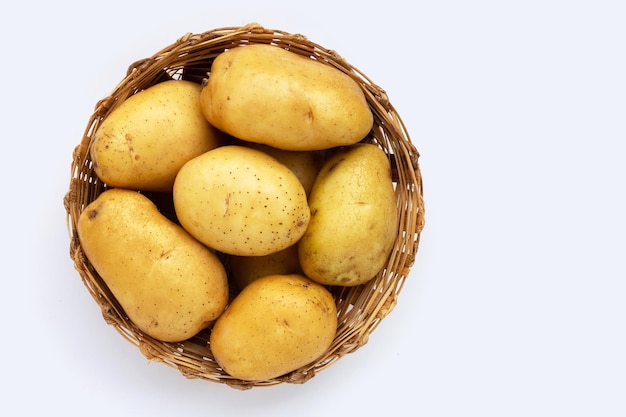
266,94
305,164
143,142
241,201
168,283
245,269
354,220
275,325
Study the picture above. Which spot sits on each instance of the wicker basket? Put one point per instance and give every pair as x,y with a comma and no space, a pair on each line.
360,309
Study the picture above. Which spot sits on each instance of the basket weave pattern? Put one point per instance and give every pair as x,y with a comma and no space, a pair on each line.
361,308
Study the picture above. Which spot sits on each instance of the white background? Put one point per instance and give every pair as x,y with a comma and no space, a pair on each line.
516,303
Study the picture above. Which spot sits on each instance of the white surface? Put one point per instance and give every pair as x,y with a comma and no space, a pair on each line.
515,306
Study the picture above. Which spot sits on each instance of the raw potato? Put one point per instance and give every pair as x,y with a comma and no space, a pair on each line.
168,283
354,220
245,269
241,201
266,94
142,144
275,325
305,164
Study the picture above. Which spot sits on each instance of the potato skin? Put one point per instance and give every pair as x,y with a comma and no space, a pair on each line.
245,269
169,284
266,94
305,164
143,142
275,325
241,201
354,220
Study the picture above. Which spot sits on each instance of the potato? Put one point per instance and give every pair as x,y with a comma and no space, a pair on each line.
168,283
354,220
245,269
241,201
143,142
275,325
266,94
305,164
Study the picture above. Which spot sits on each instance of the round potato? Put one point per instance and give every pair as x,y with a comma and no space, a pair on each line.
245,269
275,325
241,201
143,142
305,164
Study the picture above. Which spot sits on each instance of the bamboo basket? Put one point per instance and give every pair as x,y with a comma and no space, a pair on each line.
360,309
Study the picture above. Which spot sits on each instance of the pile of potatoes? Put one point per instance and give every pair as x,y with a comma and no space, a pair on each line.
257,179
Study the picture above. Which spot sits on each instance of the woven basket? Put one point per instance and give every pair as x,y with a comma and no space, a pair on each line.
361,308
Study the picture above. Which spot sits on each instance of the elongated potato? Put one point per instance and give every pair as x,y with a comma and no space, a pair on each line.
354,220
168,283
266,94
